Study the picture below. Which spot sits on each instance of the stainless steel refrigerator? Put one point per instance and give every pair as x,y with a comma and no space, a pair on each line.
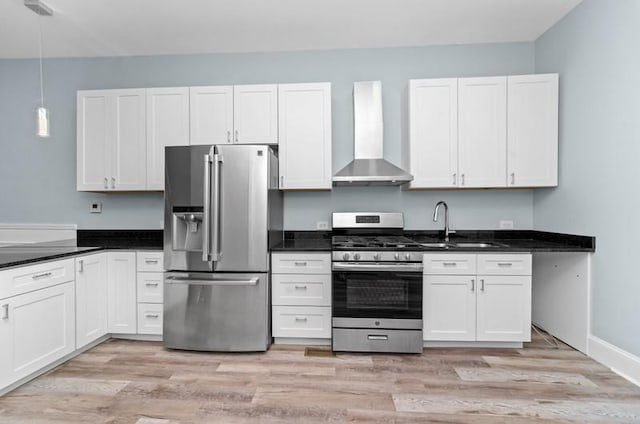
223,212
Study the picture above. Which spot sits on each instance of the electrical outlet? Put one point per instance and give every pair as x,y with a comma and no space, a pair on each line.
95,207
322,225
506,225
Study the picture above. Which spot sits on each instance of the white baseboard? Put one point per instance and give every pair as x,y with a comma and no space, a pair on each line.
620,361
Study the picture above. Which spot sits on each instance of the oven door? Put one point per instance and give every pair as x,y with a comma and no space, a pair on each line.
377,290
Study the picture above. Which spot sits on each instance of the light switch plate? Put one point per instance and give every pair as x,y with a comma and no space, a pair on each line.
95,207
506,225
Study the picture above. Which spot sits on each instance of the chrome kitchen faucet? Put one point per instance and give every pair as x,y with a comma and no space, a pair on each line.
447,231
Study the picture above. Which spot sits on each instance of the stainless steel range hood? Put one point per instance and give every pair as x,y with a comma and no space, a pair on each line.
368,166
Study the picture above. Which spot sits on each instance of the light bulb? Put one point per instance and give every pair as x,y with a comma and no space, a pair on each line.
43,122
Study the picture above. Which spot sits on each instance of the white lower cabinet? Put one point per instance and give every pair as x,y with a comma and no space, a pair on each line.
150,290
36,329
121,288
91,298
301,295
149,318
464,305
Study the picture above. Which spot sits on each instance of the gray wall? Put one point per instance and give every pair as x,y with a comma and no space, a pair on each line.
595,50
37,178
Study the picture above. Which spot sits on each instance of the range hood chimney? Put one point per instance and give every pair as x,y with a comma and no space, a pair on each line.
368,166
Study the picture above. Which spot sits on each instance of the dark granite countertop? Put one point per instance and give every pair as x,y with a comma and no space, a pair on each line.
11,256
87,241
311,241
505,241
121,239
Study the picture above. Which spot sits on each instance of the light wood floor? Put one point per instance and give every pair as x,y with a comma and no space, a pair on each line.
140,382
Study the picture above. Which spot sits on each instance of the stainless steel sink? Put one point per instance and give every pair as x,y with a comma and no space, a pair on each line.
436,245
461,245
477,245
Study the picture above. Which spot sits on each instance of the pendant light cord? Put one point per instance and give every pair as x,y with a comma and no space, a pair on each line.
40,46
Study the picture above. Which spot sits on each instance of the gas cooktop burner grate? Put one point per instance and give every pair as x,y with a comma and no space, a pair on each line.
373,242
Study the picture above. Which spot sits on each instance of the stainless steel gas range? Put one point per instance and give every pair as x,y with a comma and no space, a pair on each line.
376,285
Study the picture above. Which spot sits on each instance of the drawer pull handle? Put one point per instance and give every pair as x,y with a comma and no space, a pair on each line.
449,263
300,263
5,315
151,261
505,263
301,319
473,285
81,263
152,315
151,284
300,287
43,275
377,337
482,285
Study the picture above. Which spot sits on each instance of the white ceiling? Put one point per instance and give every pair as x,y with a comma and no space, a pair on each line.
84,28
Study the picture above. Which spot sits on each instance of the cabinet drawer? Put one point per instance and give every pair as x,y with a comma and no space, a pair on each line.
301,263
149,285
150,261
302,321
453,264
301,289
34,277
149,318
500,264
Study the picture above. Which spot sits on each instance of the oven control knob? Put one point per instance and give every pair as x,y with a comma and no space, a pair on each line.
408,256
356,256
345,256
396,256
376,257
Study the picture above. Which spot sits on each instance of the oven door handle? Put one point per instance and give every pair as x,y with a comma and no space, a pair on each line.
394,267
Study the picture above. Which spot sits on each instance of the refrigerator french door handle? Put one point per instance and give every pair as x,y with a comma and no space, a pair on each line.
216,251
206,219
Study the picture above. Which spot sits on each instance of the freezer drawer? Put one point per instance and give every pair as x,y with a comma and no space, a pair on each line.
216,312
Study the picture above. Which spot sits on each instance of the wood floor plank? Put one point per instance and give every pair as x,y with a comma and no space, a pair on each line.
133,382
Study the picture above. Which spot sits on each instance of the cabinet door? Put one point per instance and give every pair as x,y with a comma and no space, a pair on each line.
304,116
121,272
482,132
433,133
255,114
167,125
504,308
129,170
449,307
91,298
93,147
211,114
532,132
36,329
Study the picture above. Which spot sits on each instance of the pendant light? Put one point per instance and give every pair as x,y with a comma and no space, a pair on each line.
42,122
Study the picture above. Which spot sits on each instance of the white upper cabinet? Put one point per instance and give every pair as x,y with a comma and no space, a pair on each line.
255,114
433,133
111,148
304,115
243,114
211,114
532,133
167,125
93,149
482,131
